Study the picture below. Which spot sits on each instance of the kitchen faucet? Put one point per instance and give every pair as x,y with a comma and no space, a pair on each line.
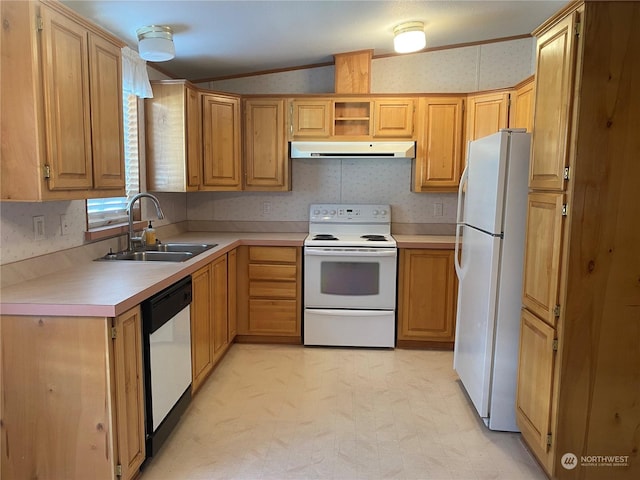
132,239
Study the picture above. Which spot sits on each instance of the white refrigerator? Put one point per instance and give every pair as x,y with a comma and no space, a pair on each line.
489,256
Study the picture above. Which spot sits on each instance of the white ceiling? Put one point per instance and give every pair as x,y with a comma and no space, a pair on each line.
217,38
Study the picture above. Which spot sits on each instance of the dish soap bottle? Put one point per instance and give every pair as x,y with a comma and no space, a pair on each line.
150,235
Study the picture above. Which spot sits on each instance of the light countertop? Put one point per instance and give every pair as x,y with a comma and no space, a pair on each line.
110,288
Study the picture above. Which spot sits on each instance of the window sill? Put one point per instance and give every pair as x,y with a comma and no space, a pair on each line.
110,231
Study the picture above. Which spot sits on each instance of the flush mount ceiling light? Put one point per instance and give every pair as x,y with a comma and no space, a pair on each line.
409,37
155,43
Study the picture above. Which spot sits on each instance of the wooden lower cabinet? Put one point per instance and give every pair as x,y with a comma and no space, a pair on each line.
427,290
535,383
269,293
72,397
209,319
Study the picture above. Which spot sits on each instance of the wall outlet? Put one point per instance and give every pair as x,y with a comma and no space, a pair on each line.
266,208
38,228
64,226
438,210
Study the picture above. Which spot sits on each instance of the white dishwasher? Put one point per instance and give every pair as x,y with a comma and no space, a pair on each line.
166,328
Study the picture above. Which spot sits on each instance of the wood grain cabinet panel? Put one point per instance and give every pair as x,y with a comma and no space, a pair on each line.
393,117
555,67
173,119
579,355
221,143
521,106
439,156
77,378
61,91
543,245
427,289
486,114
266,160
269,294
535,381
311,118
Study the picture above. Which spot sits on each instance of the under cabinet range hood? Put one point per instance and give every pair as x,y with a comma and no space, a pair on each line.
353,149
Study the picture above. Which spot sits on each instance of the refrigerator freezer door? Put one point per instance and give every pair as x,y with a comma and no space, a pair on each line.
483,203
473,351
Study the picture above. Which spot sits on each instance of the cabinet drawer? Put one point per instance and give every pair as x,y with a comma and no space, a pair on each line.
272,289
273,316
273,254
272,272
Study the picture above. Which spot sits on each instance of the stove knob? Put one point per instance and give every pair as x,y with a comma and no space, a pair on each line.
383,212
375,212
316,212
324,212
332,212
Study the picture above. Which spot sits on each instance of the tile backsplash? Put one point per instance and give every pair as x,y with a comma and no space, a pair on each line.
465,69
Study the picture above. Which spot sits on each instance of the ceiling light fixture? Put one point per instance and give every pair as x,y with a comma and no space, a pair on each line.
409,37
155,43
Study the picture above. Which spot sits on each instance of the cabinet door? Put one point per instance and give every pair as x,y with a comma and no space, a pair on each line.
194,138
201,327
130,407
535,381
232,299
393,118
427,294
553,103
106,114
486,114
221,136
521,109
65,69
219,306
265,146
311,118
543,244
438,160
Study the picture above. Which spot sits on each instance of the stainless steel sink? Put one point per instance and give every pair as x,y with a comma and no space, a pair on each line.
162,252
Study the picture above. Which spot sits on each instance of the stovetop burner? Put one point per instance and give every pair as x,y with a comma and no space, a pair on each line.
375,238
325,236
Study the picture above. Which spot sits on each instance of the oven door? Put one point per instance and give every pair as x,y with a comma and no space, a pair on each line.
350,277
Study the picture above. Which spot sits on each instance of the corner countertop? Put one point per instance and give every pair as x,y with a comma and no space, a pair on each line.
110,288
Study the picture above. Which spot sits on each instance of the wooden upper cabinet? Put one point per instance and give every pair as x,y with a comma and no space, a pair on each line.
311,118
438,158
61,106
535,383
353,72
266,160
173,119
393,117
222,146
555,67
521,109
486,114
543,244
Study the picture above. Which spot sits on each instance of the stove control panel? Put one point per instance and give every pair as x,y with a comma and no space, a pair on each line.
347,213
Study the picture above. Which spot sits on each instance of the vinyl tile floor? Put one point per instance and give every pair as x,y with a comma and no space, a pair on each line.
290,412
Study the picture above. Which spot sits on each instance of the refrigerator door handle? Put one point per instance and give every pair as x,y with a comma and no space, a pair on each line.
457,263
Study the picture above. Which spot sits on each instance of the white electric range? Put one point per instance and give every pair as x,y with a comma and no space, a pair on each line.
350,263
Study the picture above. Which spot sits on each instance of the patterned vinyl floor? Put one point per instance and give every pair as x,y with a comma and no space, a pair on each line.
290,412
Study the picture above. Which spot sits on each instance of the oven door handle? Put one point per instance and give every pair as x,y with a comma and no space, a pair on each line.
350,313
354,252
